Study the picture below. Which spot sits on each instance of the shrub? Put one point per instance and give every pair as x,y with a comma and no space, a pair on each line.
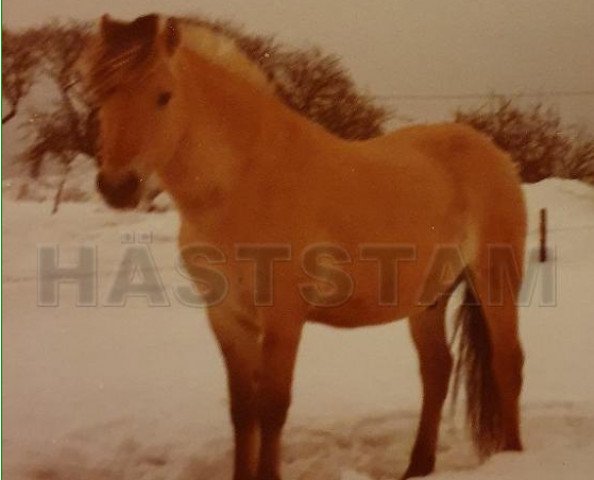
532,135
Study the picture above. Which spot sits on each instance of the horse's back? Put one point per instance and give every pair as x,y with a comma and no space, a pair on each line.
481,171
473,155
459,148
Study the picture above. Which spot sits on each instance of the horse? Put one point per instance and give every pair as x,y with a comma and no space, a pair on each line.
296,225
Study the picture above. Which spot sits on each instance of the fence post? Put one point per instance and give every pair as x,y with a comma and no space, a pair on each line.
543,235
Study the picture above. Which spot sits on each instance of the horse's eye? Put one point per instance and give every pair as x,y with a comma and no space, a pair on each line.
163,98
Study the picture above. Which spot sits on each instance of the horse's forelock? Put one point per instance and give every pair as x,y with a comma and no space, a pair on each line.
122,49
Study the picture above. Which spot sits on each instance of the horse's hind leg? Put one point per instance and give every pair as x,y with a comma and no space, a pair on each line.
498,286
239,338
428,332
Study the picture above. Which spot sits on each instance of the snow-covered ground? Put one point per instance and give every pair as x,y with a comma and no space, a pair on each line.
138,392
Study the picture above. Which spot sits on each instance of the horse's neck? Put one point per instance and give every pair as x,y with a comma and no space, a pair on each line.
233,125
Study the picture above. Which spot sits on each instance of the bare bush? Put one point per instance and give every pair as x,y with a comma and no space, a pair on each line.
317,86
579,164
69,127
20,58
533,135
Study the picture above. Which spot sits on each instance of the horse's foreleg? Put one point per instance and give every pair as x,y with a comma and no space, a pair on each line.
239,339
428,332
279,351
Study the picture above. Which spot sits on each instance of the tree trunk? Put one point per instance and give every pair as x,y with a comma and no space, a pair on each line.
60,191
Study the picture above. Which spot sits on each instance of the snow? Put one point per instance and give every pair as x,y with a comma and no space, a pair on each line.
138,392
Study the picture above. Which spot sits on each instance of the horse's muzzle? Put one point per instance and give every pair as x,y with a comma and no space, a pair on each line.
123,194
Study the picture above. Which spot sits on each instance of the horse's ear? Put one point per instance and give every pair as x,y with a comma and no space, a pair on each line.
142,30
172,35
108,27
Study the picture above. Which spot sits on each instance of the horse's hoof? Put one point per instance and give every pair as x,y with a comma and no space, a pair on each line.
513,446
244,476
268,476
417,471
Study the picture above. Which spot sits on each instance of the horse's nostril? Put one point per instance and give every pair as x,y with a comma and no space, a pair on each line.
120,194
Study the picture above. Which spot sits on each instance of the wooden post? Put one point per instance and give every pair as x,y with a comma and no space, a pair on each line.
543,235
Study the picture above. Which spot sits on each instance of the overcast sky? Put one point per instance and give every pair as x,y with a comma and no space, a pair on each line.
404,46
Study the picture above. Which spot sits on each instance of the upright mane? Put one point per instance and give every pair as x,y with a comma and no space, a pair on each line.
221,49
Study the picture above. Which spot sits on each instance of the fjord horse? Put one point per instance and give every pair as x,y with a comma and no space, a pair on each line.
428,207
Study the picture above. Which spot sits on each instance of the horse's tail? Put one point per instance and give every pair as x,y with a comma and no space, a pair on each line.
473,367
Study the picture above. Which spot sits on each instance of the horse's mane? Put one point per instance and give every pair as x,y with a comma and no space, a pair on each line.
218,45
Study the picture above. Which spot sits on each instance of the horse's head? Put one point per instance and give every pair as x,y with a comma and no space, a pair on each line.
140,109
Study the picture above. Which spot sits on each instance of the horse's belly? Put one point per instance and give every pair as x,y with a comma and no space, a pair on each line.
349,317
382,295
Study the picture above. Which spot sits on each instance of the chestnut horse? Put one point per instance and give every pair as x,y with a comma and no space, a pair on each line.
357,233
